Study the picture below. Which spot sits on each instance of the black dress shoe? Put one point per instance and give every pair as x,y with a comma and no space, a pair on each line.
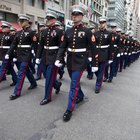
45,101
13,84
78,100
57,90
109,81
104,80
32,87
13,97
67,115
97,91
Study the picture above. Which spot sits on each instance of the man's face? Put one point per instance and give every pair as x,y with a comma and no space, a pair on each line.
102,25
50,20
113,29
77,17
23,23
41,28
5,29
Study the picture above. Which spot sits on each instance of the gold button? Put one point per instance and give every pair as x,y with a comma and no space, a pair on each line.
73,46
74,32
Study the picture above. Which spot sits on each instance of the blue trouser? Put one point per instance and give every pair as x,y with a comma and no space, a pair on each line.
39,70
7,65
125,61
89,71
61,70
51,74
112,69
129,60
100,74
75,89
112,66
117,65
23,70
106,74
121,63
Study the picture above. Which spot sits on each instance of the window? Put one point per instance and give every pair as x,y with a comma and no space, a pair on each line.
106,5
30,2
33,2
57,1
41,4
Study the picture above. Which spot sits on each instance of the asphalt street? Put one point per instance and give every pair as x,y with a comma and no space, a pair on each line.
114,114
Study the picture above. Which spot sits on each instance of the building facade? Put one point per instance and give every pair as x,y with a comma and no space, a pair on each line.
116,10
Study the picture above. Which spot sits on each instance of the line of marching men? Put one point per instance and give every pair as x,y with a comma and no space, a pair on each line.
98,52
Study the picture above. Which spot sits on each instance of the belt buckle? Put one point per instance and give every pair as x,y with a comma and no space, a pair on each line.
1,47
73,50
100,46
19,46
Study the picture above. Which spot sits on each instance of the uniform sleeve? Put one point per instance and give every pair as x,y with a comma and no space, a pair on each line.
34,41
60,37
13,45
40,46
110,43
92,48
62,48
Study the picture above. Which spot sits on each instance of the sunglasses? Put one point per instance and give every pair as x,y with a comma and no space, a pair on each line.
102,22
76,14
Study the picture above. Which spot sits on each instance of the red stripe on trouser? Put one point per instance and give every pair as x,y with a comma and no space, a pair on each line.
4,71
102,77
76,91
22,80
54,74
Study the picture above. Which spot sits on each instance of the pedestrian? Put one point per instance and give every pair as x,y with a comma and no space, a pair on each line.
77,41
49,44
22,44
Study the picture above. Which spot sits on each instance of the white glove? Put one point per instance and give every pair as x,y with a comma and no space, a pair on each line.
58,64
121,53
6,56
118,55
94,69
110,61
125,53
90,59
37,61
14,59
33,52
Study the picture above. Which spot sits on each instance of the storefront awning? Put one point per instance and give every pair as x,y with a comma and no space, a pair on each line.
15,25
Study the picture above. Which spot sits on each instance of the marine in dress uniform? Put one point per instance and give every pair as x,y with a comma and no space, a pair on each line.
115,43
49,45
104,52
89,65
126,49
5,42
22,44
60,69
77,41
41,28
122,44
